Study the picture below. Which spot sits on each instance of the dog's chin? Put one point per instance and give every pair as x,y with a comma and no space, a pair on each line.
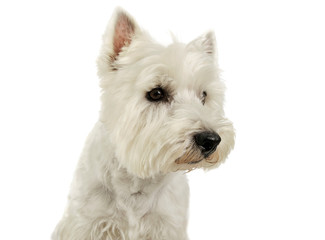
194,159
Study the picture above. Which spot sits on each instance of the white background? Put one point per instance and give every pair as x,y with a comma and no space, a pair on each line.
273,57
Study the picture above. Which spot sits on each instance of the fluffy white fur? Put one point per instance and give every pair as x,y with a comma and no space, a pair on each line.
130,182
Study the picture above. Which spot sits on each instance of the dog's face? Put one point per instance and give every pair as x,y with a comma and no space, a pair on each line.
162,106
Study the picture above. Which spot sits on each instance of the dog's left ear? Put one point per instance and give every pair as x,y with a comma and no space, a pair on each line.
205,43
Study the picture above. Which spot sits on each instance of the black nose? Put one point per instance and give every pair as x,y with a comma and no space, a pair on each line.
207,142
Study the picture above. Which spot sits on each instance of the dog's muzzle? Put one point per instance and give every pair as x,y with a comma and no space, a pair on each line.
204,145
207,142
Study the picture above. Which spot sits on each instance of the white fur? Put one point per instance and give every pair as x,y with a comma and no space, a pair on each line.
128,184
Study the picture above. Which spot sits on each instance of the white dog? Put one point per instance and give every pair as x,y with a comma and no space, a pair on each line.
162,115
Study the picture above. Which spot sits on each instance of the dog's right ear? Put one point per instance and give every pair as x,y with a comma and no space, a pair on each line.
124,29
118,36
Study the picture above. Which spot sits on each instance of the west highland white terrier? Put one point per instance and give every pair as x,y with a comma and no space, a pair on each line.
161,116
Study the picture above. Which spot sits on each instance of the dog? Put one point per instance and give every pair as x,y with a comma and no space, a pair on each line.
161,116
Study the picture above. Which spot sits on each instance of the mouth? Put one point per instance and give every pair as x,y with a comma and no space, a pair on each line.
195,162
195,156
191,158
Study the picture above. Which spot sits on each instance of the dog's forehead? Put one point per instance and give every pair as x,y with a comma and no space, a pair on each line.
176,66
187,68
175,54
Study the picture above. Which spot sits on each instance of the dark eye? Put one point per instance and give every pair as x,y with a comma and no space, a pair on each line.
156,94
204,95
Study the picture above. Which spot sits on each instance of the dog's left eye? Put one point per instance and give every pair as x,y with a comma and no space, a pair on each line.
204,95
156,94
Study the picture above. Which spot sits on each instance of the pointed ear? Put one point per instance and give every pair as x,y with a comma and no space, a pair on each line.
119,34
205,43
124,30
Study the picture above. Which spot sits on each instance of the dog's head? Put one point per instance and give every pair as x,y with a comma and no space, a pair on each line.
163,106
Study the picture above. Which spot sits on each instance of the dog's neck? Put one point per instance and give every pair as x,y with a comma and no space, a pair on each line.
134,194
117,180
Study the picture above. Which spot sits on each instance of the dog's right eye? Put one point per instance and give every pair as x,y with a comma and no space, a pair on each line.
156,94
